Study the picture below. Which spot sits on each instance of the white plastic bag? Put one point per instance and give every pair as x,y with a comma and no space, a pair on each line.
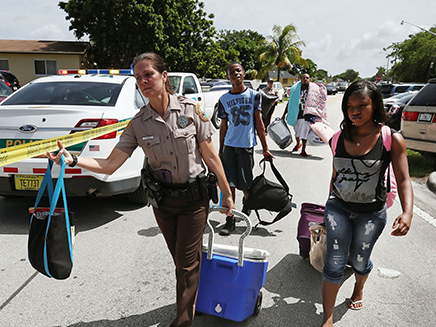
318,246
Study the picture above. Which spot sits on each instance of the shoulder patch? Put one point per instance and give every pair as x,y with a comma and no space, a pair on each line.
200,112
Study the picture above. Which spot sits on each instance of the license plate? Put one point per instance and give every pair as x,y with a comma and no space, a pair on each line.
425,117
28,182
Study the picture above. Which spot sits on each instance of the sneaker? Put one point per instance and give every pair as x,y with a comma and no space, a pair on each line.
304,154
296,148
228,227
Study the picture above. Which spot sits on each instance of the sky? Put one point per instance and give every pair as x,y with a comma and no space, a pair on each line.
339,34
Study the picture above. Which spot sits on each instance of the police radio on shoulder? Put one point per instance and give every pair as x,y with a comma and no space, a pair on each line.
75,160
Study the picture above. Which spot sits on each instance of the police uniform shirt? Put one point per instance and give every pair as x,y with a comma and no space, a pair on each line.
271,91
170,143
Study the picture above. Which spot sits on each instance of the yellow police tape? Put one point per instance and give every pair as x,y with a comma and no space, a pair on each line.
34,149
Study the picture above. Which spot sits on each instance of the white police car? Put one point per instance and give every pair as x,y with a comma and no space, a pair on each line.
63,104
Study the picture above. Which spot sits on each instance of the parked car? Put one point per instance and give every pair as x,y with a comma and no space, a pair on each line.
5,91
401,88
386,89
331,90
277,85
221,87
418,122
187,84
342,86
394,107
56,106
10,79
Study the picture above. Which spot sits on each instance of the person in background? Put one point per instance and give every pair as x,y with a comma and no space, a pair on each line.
270,90
355,213
240,113
307,104
175,136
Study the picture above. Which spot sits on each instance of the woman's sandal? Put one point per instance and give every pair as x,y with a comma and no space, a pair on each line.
352,304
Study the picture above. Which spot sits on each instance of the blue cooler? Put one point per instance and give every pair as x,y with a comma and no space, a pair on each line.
231,277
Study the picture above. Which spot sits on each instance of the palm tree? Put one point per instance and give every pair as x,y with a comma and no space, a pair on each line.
282,50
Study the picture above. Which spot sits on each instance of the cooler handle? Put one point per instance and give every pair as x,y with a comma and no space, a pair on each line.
241,239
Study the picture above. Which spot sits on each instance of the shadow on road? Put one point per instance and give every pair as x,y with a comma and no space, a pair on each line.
89,213
295,288
289,154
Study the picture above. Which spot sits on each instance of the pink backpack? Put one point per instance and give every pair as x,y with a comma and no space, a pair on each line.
390,181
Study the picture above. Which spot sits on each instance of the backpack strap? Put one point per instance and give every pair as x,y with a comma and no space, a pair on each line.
335,139
387,137
279,176
288,207
387,142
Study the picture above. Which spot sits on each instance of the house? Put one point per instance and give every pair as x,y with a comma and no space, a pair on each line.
286,78
28,60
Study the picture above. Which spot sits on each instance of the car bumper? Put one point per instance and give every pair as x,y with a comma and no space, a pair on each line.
420,145
78,187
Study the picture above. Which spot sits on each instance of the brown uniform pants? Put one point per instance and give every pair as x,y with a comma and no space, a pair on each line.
182,223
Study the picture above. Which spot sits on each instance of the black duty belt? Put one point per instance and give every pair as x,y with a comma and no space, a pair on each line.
175,190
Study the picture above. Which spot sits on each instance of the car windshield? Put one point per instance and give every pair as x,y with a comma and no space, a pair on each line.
175,81
401,88
67,93
386,88
426,96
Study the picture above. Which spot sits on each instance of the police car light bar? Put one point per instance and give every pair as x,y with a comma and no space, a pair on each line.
96,71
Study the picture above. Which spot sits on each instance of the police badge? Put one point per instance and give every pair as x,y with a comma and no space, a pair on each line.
200,112
183,121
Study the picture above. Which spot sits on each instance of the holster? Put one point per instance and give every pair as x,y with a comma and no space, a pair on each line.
153,191
212,188
197,187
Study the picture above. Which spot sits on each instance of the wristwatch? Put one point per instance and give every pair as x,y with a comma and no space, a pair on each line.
75,160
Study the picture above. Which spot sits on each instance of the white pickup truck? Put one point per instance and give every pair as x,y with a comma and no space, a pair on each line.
187,84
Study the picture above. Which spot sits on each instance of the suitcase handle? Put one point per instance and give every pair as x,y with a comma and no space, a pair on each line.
241,239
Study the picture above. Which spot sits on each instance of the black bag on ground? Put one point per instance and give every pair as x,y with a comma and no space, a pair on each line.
269,195
51,231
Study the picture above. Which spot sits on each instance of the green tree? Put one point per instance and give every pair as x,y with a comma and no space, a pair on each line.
322,74
282,50
241,46
309,68
413,57
350,75
118,30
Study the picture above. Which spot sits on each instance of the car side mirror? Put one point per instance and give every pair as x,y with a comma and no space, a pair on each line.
188,90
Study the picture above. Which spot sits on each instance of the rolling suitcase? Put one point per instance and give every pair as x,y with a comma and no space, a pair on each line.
309,213
231,277
278,130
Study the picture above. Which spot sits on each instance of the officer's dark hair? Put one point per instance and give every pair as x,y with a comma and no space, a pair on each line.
157,63
366,88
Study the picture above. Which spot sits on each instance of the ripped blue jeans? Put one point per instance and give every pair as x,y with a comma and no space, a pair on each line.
350,235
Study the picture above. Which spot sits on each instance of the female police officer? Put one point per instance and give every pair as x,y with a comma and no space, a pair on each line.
175,135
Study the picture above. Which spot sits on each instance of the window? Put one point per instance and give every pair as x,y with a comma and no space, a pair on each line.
4,64
189,83
68,93
45,67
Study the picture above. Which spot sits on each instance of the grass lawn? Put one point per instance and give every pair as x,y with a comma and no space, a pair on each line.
421,164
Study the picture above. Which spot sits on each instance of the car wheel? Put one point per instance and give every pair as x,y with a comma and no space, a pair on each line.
138,196
216,121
